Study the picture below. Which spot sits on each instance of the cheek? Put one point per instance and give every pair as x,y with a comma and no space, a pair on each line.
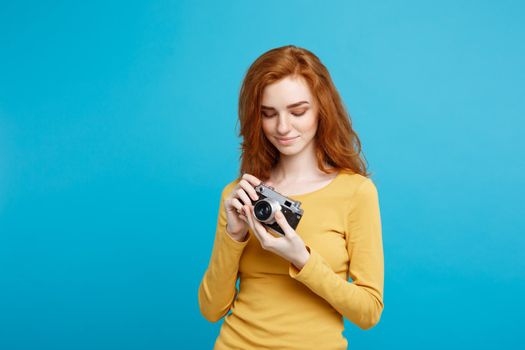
310,126
266,126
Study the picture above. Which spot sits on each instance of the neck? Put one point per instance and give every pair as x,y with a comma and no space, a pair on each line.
298,167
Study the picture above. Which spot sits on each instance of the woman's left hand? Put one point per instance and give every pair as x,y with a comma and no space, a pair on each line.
290,247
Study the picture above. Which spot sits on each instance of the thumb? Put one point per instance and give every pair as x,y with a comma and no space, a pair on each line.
281,220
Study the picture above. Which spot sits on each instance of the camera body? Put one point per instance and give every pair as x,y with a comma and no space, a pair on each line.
269,202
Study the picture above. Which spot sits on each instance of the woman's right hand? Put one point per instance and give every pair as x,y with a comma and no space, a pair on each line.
237,224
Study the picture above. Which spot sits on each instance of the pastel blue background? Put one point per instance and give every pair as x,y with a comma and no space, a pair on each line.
118,133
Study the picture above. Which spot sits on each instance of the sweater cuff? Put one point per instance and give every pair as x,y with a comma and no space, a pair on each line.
302,275
232,243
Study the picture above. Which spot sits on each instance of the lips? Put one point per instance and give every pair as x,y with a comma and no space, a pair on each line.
286,138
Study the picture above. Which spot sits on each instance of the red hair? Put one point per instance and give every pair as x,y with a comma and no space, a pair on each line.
337,144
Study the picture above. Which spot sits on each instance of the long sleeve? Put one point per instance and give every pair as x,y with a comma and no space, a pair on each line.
217,290
360,301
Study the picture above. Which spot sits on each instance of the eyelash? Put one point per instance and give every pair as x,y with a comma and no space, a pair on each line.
297,115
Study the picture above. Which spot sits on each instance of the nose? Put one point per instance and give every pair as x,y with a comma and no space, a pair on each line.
283,124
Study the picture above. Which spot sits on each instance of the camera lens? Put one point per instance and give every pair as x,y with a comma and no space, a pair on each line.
262,210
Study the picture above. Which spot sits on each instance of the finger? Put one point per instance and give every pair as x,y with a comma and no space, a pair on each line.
243,196
248,188
260,231
252,179
248,218
285,226
252,221
236,204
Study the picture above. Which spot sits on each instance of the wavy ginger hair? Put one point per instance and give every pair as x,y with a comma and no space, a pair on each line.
337,144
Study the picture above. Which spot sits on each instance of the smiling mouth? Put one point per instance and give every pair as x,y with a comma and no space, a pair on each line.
287,138
287,141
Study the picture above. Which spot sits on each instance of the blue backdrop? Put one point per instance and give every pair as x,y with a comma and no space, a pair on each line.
118,132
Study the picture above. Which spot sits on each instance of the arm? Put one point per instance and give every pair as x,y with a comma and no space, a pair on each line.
217,289
361,301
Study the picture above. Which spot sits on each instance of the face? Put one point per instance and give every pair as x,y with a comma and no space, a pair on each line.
289,116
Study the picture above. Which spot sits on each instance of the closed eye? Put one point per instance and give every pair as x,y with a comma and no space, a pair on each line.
295,114
299,114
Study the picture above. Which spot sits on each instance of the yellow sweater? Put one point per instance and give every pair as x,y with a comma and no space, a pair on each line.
280,307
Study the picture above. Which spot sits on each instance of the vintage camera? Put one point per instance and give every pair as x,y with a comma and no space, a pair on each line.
269,202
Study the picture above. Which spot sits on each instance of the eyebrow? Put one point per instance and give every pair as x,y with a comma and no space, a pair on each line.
289,106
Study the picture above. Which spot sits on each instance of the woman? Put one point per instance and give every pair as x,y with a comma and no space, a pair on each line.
294,289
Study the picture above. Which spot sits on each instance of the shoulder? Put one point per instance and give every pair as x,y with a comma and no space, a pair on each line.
359,195
352,184
226,190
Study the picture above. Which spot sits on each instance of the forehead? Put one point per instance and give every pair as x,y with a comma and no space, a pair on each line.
286,91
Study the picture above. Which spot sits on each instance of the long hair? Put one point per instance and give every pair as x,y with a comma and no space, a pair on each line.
337,144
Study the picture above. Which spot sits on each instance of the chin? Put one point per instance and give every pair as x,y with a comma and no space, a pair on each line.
289,151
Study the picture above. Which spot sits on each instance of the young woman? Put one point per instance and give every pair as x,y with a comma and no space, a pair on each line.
294,289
